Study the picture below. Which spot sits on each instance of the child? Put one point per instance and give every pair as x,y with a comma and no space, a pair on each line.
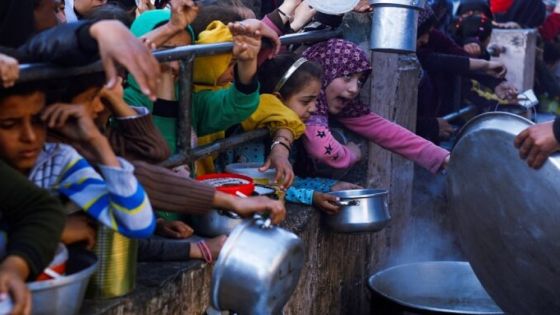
290,87
346,68
35,221
114,197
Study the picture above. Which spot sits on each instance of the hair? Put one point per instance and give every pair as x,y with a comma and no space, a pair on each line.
210,13
65,90
25,88
112,12
272,71
472,24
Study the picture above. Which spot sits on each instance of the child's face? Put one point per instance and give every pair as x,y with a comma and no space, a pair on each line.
91,99
304,101
343,89
22,132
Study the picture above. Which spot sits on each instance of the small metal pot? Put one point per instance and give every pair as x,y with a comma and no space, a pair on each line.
363,210
394,25
215,222
257,270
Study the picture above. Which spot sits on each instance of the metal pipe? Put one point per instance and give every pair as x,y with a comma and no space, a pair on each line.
33,72
463,111
185,96
191,155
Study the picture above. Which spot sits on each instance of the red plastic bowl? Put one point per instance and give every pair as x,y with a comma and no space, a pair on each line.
232,189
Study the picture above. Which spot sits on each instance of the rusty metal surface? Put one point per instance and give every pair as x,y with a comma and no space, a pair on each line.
506,215
185,95
519,56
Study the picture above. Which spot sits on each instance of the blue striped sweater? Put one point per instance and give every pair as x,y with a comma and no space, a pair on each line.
114,197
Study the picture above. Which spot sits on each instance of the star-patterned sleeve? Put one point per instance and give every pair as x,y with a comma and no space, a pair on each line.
322,146
302,189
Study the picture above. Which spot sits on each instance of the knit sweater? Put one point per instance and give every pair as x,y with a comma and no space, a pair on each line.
115,199
35,220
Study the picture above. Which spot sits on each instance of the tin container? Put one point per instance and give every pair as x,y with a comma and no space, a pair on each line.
116,274
394,25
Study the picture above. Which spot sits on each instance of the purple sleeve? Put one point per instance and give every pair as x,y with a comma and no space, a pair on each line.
398,140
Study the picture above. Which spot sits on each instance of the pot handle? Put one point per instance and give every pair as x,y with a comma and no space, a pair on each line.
229,214
263,220
348,203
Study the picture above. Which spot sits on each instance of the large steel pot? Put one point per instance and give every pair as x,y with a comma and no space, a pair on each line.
257,269
394,24
64,295
362,210
215,222
435,287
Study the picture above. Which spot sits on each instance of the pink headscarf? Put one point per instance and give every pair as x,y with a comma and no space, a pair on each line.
339,58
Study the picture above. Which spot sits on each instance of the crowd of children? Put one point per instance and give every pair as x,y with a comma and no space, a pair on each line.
95,141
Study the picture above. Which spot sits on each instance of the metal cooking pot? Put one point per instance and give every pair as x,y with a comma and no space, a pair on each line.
362,210
257,269
435,287
394,24
215,222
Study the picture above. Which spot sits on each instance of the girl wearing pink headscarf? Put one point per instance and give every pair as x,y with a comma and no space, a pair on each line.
346,68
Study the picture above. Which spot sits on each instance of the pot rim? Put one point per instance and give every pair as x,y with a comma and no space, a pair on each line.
416,306
360,193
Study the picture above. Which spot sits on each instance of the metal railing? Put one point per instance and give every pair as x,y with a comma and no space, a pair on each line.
186,54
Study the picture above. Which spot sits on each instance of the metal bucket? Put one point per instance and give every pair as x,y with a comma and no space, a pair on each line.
64,295
394,25
116,274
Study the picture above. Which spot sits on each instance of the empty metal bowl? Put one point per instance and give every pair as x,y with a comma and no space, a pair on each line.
362,210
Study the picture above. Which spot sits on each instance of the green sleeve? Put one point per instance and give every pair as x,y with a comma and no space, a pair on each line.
214,111
35,220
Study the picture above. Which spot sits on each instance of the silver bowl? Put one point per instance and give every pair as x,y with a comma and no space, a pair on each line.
64,295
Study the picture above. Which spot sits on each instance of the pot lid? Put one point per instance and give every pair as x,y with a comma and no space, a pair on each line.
333,6
506,215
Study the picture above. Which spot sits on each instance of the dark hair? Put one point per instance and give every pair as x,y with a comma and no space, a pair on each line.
25,88
208,14
472,25
112,12
65,90
273,70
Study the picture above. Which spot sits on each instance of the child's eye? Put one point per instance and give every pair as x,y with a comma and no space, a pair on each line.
7,124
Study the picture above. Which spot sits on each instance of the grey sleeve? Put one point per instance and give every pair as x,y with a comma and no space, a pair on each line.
159,249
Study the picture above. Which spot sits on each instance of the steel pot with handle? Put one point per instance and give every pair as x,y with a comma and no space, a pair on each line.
215,222
257,269
362,210
394,24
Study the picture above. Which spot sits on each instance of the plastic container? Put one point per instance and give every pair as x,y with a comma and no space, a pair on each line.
58,264
252,170
229,183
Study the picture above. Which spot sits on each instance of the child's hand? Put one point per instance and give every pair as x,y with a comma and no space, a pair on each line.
363,6
326,202
473,49
284,172
9,71
246,41
183,13
12,282
144,5
78,229
246,207
265,31
173,229
496,69
72,121
114,99
445,128
183,171
340,185
302,15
